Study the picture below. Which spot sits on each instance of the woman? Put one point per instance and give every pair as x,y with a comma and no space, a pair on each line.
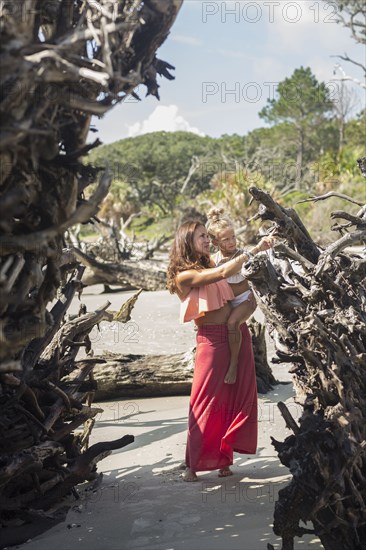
222,417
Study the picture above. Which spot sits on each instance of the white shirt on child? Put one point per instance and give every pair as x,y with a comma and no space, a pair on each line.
218,258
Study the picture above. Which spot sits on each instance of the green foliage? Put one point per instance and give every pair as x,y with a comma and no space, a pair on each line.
231,147
332,167
301,114
147,227
355,131
316,216
154,166
231,192
302,101
150,171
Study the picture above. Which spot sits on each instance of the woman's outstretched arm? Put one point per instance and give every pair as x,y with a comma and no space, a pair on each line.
193,278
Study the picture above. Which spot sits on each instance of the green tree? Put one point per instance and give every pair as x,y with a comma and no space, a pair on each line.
304,105
155,166
355,131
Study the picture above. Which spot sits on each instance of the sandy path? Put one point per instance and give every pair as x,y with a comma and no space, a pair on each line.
142,502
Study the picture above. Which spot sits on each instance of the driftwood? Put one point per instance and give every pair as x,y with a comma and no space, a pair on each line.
62,61
42,457
132,376
147,275
314,303
143,375
113,245
265,378
110,261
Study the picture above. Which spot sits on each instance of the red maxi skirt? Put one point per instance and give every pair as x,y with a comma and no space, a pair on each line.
222,417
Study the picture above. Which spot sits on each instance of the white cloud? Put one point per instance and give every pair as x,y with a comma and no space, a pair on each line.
163,118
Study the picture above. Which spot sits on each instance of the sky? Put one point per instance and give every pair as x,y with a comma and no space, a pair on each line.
228,58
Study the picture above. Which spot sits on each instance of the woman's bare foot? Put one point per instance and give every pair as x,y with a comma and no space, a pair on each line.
189,475
230,377
225,472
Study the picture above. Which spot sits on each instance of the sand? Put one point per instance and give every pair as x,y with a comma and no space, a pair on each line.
142,503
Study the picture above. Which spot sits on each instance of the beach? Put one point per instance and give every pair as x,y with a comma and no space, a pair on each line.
142,502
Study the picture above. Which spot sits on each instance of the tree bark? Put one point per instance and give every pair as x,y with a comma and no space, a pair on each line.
53,81
136,376
121,376
313,302
148,275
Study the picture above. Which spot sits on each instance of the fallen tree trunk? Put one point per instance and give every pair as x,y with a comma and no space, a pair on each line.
148,275
122,376
144,376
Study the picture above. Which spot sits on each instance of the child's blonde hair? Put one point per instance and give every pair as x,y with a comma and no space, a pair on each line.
217,221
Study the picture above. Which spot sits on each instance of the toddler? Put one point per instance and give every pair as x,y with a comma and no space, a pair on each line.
221,230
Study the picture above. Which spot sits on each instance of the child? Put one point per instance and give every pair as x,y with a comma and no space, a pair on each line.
221,230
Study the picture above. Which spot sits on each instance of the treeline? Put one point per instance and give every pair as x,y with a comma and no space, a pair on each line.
310,145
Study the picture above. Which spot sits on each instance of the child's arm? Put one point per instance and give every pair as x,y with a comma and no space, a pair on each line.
194,278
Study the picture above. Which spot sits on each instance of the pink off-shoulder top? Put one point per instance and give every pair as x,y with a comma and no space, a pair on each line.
205,298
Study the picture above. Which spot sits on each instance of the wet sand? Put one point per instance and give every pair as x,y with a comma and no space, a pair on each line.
142,503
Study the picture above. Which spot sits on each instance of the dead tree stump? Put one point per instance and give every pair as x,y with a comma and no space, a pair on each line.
314,303
61,63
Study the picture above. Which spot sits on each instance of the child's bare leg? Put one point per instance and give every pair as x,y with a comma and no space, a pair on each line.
237,317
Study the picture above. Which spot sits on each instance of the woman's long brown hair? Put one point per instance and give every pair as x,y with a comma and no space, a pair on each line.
182,254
